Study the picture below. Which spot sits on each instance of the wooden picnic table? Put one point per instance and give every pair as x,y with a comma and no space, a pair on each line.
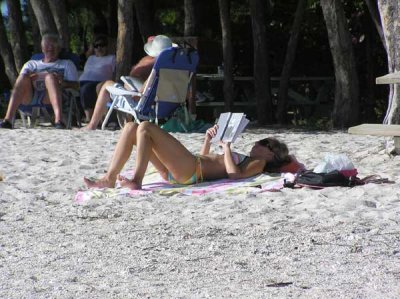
241,81
382,129
393,78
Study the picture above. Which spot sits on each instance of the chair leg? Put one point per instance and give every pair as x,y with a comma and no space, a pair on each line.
77,112
103,126
23,118
70,109
136,117
34,117
46,115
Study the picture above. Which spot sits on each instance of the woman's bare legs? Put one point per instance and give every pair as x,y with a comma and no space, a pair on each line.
121,154
153,141
154,145
89,111
101,106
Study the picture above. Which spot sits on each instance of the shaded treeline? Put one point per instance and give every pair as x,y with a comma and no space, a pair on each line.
255,38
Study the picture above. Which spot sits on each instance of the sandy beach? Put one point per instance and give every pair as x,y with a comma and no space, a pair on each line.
336,242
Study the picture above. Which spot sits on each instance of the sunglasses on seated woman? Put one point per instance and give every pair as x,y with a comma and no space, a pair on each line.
100,45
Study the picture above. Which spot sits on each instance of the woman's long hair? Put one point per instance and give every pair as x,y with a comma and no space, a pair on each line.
281,154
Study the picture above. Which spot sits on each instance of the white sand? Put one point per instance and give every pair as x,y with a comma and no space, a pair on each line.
332,243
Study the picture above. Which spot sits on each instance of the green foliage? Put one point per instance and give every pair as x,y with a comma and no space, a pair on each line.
323,123
81,23
170,21
239,12
168,17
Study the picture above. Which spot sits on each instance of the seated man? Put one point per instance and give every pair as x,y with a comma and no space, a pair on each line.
139,74
55,73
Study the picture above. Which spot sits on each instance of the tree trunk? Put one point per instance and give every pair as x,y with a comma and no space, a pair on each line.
60,15
262,80
125,37
346,107
145,18
369,113
289,60
35,29
374,13
227,53
190,18
390,15
44,16
17,38
7,55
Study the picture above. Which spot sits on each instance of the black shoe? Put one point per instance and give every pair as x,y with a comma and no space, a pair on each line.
59,125
6,125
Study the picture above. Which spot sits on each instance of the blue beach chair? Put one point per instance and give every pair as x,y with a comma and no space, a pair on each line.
165,90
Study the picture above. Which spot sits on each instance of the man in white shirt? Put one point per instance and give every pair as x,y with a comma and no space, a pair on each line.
50,73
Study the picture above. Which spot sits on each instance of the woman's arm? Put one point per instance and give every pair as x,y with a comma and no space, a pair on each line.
211,132
245,170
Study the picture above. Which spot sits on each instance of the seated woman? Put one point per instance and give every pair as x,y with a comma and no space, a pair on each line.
139,74
98,69
177,165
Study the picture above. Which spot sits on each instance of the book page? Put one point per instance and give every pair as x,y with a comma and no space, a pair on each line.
243,124
222,124
232,128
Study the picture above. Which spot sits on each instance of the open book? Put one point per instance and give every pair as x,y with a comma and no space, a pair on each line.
230,125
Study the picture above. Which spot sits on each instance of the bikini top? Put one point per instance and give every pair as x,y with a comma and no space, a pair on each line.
238,158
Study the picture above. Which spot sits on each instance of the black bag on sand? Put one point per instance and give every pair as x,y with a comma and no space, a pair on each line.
321,180
334,178
330,179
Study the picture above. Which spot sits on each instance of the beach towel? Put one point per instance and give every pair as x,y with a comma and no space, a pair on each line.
153,183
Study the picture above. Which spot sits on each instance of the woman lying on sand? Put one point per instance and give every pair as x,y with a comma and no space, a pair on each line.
177,165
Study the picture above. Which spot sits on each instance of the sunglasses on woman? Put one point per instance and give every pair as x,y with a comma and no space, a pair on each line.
96,46
265,143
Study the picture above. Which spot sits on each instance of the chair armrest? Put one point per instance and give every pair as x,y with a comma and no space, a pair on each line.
122,92
129,82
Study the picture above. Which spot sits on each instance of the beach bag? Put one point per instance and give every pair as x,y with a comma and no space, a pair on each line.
335,170
334,178
322,180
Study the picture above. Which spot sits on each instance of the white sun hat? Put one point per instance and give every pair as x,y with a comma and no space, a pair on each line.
154,46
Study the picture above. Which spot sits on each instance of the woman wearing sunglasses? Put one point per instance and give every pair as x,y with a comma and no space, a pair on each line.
177,164
99,68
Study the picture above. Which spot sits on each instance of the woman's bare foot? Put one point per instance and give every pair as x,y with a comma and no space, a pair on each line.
129,183
100,183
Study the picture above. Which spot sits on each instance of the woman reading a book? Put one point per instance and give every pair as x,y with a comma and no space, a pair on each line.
177,164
